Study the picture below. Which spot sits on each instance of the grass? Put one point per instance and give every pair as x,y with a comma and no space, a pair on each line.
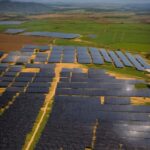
133,37
147,103
141,86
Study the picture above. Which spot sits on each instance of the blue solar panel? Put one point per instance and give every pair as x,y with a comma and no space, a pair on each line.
57,48
115,59
54,60
68,59
14,31
142,61
23,59
53,34
84,60
80,49
124,59
105,55
11,22
69,48
96,56
27,50
68,56
83,55
135,62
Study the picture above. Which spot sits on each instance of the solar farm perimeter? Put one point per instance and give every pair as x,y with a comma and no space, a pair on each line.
60,98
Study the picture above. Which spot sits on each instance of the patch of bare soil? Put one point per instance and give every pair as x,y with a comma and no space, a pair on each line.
10,42
139,100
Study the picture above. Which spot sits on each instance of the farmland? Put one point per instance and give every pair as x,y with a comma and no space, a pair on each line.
134,37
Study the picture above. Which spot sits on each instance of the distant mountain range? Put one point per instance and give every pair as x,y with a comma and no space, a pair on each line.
6,6
10,7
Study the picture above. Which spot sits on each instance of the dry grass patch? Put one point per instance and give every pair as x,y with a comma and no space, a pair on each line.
33,70
2,90
140,101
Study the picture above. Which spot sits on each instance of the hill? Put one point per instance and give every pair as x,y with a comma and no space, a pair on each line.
7,7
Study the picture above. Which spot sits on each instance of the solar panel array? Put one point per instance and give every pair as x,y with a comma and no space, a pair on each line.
86,105
79,114
23,97
53,34
72,54
14,31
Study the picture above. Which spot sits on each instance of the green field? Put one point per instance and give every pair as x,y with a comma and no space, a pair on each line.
133,37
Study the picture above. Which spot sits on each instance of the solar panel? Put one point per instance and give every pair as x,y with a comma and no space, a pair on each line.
15,68
14,31
14,89
142,61
117,100
54,60
83,55
84,60
10,74
4,84
41,66
68,58
26,53
40,59
135,62
45,74
55,56
23,59
37,90
29,46
11,22
39,84
69,48
105,55
115,59
57,48
53,34
23,79
41,79
28,50
10,78
26,74
96,56
81,49
124,59
43,48
19,84
10,59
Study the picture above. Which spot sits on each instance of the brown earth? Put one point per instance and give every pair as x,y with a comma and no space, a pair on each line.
10,42
102,17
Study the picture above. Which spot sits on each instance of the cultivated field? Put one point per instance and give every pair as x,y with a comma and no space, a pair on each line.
125,31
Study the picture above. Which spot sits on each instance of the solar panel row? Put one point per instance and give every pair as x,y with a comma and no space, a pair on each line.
105,55
142,62
116,60
96,56
124,59
136,64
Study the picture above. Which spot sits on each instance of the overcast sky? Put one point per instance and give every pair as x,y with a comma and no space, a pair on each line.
109,1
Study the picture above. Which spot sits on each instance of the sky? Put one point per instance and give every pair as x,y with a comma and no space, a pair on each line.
105,1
